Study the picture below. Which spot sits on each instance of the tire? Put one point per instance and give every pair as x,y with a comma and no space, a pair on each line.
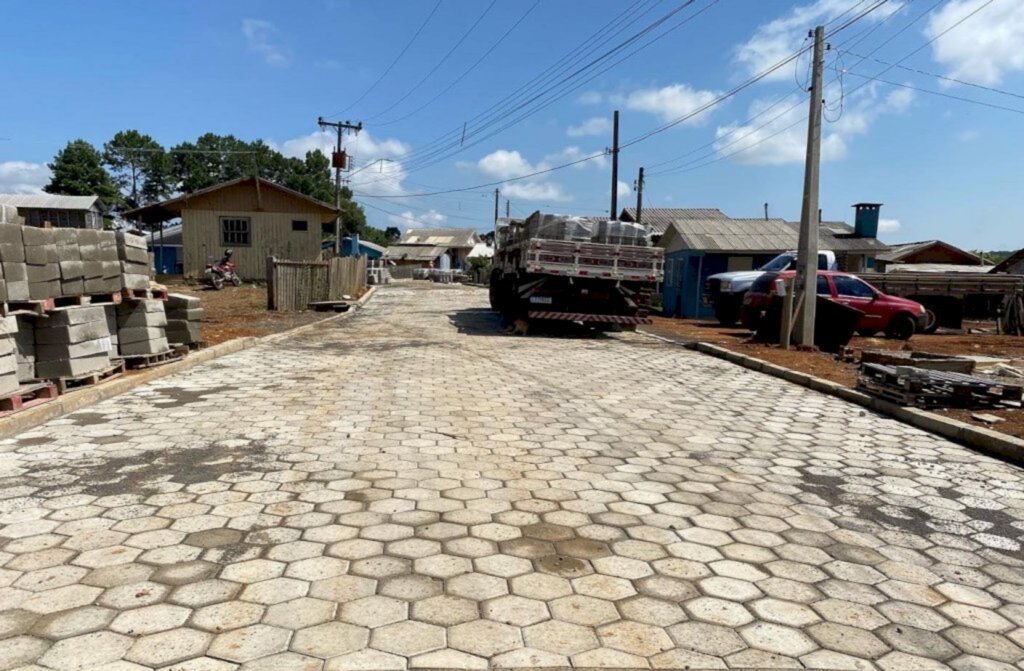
218,283
901,327
867,333
931,321
236,280
727,315
494,290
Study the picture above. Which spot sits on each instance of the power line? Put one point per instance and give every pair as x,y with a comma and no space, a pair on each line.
937,93
439,63
393,63
942,77
458,79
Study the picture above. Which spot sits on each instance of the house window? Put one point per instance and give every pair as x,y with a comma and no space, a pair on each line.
235,232
327,229
300,226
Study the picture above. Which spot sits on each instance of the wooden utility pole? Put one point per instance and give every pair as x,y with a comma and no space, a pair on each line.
807,254
639,195
615,165
340,162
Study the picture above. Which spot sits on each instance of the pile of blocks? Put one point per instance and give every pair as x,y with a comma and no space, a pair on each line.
69,255
25,344
184,315
141,327
8,360
101,268
41,262
134,257
12,264
71,342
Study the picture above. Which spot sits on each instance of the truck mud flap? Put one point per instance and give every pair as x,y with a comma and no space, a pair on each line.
581,317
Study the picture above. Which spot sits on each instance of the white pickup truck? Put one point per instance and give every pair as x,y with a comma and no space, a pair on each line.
724,291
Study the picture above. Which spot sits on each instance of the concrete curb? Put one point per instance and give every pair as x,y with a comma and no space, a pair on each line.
76,400
982,440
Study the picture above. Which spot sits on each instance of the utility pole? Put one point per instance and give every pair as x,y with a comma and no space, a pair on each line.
615,166
766,211
339,161
639,195
508,209
497,197
807,255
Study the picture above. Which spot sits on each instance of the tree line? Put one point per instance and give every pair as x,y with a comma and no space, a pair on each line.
134,170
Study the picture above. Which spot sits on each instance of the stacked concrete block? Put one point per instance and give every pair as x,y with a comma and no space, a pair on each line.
110,312
134,258
141,328
101,269
184,316
69,255
8,358
12,264
72,342
41,262
9,215
110,260
25,344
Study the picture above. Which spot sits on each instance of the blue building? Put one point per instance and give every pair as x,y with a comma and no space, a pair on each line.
166,249
700,242
368,249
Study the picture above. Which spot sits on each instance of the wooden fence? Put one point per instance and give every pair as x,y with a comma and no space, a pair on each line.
293,285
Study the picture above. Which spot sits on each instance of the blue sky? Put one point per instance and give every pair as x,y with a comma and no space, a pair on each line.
943,168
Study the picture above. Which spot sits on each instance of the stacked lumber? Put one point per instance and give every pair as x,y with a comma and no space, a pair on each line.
134,258
8,359
184,316
72,342
12,264
69,255
141,327
41,262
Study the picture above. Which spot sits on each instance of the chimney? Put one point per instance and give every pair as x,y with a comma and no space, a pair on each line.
865,224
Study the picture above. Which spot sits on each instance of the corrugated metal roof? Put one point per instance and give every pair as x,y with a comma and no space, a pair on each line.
415,252
658,219
724,234
49,201
172,236
905,249
449,237
936,268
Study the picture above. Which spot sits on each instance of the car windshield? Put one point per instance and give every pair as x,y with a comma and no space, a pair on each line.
780,262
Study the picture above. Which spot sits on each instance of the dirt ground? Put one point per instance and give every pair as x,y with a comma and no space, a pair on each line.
971,342
239,312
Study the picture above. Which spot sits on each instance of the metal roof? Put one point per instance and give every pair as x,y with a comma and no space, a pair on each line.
724,234
658,219
936,268
50,201
1010,261
171,237
449,237
401,252
905,249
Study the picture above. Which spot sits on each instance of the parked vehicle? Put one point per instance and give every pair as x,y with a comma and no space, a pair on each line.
222,272
897,317
571,269
724,291
950,298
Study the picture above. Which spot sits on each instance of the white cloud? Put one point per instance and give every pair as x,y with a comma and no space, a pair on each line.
536,190
383,178
407,219
783,139
23,177
671,102
986,46
888,225
573,153
597,125
624,189
259,35
590,98
776,40
502,164
968,135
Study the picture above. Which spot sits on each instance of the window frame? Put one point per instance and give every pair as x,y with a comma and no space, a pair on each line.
304,226
225,242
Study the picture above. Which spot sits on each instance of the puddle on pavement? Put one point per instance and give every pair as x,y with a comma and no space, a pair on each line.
567,567
175,396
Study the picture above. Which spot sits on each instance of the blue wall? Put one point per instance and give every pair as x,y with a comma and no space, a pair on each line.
167,260
347,249
687,273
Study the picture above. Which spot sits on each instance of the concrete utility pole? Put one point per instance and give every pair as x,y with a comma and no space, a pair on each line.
508,209
639,195
807,255
615,166
497,197
339,161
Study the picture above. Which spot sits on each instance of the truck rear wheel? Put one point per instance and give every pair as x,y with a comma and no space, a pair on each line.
494,290
931,321
727,315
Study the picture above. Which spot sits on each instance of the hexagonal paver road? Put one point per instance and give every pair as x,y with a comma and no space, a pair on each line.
409,488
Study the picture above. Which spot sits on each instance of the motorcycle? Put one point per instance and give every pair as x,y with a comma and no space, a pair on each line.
218,274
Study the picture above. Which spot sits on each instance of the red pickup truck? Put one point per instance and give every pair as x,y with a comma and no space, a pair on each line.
897,317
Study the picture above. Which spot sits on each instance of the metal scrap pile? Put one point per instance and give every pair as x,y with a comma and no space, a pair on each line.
924,388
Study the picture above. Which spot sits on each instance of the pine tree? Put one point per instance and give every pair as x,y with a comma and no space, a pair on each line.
78,171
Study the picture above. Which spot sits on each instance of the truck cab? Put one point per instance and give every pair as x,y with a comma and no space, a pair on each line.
724,291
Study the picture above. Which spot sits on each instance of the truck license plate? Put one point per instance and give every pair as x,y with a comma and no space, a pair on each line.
540,300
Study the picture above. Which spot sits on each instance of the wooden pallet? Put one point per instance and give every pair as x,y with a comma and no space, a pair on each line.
28,395
113,298
144,294
37,308
931,389
137,361
115,370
